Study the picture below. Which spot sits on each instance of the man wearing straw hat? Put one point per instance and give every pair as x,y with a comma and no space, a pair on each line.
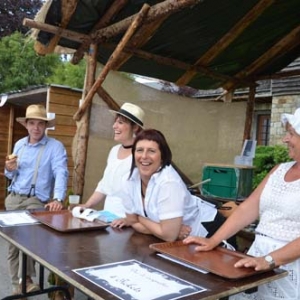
39,174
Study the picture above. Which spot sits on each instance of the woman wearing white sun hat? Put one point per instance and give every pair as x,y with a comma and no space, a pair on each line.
129,120
276,202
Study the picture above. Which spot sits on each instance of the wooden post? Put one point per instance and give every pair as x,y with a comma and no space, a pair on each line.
249,113
80,142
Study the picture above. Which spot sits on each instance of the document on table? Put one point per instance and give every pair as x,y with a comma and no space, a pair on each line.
135,280
15,218
182,263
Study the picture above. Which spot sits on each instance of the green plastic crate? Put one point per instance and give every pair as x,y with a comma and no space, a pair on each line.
230,182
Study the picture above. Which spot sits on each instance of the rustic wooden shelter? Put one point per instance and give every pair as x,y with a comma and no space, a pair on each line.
202,44
62,101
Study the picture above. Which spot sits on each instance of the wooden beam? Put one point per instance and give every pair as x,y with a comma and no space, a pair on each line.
156,12
65,33
179,64
68,8
249,114
110,63
103,22
165,8
142,35
227,39
112,104
10,130
286,44
80,141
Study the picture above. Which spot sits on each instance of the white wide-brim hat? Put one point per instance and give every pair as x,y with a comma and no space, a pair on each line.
293,120
132,112
37,112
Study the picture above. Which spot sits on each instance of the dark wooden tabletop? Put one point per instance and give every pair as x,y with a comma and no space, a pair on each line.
62,252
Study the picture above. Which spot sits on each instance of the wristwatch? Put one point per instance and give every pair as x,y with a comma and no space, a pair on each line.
270,261
56,199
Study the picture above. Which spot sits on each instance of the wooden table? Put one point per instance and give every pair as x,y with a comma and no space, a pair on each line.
62,252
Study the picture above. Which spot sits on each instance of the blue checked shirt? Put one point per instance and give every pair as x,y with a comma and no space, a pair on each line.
52,175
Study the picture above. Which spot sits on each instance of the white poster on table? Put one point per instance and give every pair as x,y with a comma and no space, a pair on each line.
132,280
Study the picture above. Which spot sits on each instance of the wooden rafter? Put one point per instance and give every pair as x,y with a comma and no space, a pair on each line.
68,8
179,64
226,40
102,35
156,12
111,103
103,22
113,58
285,44
83,38
141,37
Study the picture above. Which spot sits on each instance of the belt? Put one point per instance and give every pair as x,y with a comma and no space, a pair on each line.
25,195
17,194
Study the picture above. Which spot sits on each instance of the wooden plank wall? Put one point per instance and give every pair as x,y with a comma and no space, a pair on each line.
10,132
64,103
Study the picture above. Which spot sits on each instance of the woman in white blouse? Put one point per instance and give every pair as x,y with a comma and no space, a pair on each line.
156,199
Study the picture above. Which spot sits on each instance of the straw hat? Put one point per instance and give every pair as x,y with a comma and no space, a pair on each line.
37,112
132,112
294,120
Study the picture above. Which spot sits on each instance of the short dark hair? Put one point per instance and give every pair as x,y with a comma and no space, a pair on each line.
124,119
159,138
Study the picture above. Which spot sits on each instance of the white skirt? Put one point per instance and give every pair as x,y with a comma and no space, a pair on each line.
285,288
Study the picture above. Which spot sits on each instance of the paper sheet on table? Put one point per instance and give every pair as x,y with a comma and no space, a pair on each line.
182,263
13,218
135,280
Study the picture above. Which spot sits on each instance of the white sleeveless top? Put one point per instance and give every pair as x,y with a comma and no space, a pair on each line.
280,206
110,184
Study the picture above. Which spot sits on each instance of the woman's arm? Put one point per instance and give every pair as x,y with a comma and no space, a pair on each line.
243,215
281,256
167,230
94,199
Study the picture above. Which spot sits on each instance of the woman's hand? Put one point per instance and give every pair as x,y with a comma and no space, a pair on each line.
258,263
119,223
204,243
185,231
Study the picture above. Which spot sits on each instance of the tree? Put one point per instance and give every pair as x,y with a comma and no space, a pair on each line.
12,13
69,74
20,66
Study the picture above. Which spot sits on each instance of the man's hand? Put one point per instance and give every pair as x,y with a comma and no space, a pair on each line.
11,164
54,205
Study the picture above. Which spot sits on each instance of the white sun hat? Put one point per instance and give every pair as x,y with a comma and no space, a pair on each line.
293,120
132,112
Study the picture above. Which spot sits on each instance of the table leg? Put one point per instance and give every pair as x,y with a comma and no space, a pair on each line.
42,290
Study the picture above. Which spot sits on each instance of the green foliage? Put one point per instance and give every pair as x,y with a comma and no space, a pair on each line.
20,66
69,74
266,157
